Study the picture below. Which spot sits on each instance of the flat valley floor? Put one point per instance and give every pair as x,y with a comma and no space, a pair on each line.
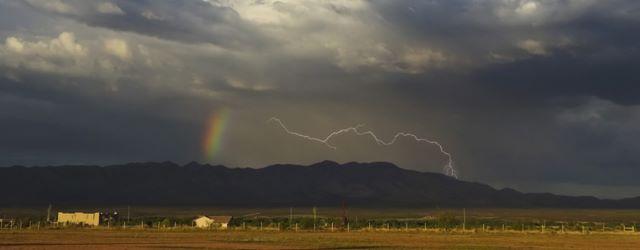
193,239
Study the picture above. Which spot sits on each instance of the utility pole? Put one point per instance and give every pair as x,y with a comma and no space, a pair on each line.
315,216
345,219
290,217
49,214
464,219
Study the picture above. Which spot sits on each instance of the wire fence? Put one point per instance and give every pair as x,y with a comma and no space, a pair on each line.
335,225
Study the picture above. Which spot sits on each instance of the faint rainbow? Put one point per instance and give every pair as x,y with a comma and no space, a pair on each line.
214,133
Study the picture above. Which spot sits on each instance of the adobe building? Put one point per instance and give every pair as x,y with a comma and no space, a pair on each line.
91,219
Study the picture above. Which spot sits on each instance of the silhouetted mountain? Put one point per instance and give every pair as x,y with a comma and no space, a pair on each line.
324,184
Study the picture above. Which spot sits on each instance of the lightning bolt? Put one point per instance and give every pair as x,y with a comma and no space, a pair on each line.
448,169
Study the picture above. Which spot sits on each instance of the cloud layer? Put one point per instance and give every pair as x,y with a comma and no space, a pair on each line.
538,95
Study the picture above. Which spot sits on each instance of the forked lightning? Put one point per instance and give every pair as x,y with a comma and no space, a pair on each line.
448,169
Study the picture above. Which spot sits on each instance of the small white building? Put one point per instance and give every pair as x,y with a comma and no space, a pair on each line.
207,221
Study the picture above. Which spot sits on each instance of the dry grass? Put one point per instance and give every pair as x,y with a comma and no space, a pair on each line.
129,239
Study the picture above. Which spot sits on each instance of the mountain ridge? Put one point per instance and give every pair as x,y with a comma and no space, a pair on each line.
326,183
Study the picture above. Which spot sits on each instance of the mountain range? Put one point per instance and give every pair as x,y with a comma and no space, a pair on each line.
376,184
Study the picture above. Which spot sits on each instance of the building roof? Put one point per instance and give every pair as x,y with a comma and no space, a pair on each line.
220,219
217,219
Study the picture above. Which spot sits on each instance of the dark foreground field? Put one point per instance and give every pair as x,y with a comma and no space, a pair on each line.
130,239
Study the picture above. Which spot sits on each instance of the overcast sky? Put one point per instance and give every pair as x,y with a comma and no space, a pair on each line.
538,95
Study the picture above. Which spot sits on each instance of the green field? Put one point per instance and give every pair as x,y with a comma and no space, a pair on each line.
358,218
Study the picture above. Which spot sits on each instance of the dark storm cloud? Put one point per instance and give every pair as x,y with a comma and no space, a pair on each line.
187,21
538,95
520,99
598,58
566,75
43,120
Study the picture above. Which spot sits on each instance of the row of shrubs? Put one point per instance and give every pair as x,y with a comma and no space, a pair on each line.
445,221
